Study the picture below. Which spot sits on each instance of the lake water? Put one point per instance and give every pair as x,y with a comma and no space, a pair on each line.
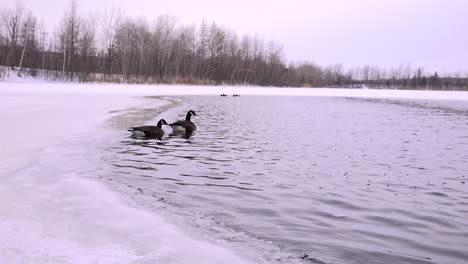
306,179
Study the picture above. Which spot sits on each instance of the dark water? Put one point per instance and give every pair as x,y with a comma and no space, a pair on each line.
329,180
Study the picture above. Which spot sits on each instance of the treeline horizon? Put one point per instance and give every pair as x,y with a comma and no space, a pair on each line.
111,47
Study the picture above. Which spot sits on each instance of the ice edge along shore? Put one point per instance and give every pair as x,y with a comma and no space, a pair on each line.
51,214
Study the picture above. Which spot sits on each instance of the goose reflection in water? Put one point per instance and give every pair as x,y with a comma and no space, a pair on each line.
146,143
185,135
174,134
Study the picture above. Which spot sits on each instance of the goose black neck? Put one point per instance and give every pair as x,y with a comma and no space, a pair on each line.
187,117
159,124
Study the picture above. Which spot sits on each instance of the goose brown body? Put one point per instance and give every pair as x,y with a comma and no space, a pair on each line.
185,125
149,131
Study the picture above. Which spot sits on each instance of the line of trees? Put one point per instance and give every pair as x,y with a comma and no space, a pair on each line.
116,48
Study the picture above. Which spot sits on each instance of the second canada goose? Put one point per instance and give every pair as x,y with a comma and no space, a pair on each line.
185,125
149,131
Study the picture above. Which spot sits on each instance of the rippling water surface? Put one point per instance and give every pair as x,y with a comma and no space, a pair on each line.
333,180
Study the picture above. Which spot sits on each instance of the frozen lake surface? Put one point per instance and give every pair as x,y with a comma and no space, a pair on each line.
265,179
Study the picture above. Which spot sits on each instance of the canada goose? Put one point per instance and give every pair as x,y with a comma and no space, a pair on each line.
149,131
185,125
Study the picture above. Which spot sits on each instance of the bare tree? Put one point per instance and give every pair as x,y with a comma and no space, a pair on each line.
28,32
111,21
163,38
12,19
366,73
2,27
86,46
134,49
69,35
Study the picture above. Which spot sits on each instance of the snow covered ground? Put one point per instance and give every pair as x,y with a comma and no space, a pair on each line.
75,220
22,84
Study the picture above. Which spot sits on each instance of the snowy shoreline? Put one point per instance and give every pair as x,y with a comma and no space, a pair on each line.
19,83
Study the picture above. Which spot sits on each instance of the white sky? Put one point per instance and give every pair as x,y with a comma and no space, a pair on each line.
386,33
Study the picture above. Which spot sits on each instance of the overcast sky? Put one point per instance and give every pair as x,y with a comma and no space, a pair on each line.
387,33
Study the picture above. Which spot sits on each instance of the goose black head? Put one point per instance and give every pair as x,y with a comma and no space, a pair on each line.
162,122
189,114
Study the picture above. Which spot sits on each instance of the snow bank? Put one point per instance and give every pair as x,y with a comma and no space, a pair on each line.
30,84
53,215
